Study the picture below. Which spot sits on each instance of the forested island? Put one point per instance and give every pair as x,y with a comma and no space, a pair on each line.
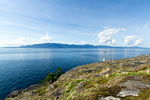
60,45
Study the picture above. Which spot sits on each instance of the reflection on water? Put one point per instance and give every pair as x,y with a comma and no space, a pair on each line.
21,67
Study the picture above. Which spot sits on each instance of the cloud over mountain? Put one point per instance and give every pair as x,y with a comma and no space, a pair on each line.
46,39
139,42
28,41
133,40
105,36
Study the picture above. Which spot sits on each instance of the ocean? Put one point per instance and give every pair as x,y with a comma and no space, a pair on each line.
22,67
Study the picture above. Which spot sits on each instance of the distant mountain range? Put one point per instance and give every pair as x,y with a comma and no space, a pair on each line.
59,45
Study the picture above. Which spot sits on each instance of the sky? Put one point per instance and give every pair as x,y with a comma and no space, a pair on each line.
97,22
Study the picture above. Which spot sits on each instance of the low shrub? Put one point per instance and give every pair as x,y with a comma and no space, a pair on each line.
52,77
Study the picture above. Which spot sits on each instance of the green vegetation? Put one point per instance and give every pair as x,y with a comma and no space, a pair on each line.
131,73
41,91
52,77
72,85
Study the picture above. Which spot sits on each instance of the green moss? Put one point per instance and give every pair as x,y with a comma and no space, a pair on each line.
116,74
41,91
72,85
134,73
131,73
70,92
65,84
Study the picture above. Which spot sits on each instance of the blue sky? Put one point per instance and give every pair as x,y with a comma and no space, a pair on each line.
108,22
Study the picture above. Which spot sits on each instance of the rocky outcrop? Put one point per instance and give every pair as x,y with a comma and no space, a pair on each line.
133,88
125,79
14,93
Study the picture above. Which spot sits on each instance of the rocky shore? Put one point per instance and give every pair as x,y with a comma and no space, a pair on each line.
125,79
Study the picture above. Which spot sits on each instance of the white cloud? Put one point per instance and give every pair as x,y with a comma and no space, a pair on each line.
22,41
46,39
139,42
133,40
105,36
17,42
129,40
5,44
26,41
83,42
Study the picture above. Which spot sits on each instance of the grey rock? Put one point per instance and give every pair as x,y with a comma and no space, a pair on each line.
14,93
32,87
132,88
126,92
80,87
109,98
56,93
88,71
132,84
51,87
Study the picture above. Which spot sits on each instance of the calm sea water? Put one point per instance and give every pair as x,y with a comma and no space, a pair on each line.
20,68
